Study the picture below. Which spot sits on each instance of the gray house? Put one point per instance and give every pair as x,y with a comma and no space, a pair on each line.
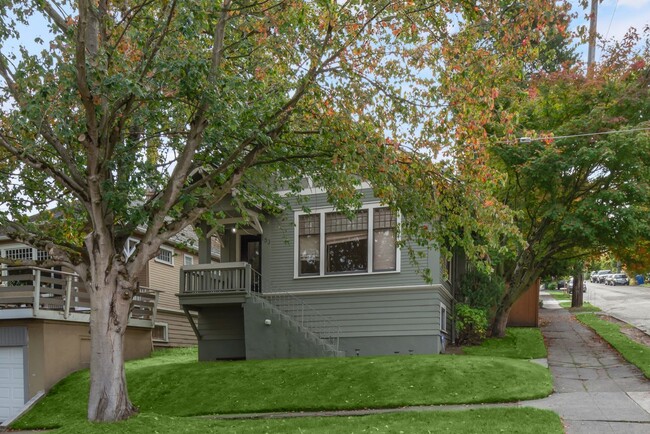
317,284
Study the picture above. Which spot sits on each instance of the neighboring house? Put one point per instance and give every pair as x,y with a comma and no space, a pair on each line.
318,284
44,316
172,328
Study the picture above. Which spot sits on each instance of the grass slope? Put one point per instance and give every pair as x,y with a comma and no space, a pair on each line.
176,385
499,420
633,352
518,343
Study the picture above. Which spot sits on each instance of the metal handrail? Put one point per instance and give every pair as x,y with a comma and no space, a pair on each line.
306,316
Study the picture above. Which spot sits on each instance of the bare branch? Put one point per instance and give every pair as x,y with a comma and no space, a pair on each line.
55,16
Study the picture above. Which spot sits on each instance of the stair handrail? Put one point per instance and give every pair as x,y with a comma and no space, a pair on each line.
325,329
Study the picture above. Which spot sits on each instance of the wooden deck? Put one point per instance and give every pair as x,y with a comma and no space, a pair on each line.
32,292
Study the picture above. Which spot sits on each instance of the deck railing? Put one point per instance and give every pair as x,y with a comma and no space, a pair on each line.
219,278
46,291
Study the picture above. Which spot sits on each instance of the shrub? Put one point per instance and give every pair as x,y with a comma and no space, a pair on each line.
471,324
480,290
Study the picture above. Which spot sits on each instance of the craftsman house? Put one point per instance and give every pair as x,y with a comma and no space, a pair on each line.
317,284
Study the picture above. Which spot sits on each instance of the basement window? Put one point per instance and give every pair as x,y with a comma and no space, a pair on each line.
160,332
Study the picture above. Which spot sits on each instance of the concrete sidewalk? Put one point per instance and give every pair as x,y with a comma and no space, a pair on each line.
596,391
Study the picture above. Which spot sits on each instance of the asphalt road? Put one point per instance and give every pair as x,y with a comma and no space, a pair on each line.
628,303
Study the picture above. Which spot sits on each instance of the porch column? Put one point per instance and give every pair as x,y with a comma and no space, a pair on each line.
205,245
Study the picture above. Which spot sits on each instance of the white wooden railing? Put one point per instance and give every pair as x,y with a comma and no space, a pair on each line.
52,294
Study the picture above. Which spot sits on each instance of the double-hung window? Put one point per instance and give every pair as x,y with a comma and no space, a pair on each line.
165,256
309,245
330,243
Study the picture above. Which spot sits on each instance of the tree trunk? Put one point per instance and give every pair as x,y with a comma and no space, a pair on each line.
576,297
501,320
109,399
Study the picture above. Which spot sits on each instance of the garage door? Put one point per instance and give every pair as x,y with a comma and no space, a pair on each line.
12,382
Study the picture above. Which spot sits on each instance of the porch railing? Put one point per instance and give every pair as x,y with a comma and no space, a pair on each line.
219,278
50,291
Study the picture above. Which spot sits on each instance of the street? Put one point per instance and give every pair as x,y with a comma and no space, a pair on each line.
628,303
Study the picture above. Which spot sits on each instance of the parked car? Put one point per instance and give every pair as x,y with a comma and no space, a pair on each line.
592,276
584,285
600,277
561,285
619,279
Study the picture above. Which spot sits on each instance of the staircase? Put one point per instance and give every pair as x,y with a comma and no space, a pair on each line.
307,333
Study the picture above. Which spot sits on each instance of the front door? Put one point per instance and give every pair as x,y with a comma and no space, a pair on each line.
251,252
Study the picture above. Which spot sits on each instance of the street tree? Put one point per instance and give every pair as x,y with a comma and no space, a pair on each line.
141,114
578,177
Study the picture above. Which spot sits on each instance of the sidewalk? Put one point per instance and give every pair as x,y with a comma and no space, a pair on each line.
596,391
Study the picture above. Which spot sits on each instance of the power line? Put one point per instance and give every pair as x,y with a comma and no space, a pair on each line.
570,136
611,20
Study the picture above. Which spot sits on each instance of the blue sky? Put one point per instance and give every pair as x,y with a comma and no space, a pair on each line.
615,17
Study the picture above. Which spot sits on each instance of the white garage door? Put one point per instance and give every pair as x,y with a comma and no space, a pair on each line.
12,382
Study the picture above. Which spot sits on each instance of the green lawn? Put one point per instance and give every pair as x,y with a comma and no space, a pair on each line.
631,351
560,295
586,307
174,384
498,420
518,343
565,301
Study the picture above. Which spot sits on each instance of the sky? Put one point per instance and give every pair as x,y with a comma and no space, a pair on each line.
615,17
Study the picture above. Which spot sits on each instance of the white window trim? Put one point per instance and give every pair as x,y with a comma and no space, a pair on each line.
12,246
169,249
126,251
165,327
324,210
185,256
443,324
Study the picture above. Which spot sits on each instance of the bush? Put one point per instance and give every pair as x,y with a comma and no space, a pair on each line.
479,290
471,324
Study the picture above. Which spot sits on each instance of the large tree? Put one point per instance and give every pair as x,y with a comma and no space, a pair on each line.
148,113
578,176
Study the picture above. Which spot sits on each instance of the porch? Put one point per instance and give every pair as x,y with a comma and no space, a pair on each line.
225,283
237,321
40,293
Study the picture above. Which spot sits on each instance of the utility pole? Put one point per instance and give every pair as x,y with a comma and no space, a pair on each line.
593,23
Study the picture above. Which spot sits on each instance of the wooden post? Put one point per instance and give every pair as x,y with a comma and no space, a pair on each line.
593,24
37,292
247,278
68,294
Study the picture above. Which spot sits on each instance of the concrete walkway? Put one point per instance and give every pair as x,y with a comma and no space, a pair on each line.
596,391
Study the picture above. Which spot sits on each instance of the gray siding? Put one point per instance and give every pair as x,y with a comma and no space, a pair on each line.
379,313
222,332
278,257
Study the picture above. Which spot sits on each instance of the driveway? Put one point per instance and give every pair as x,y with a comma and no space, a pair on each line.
628,303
